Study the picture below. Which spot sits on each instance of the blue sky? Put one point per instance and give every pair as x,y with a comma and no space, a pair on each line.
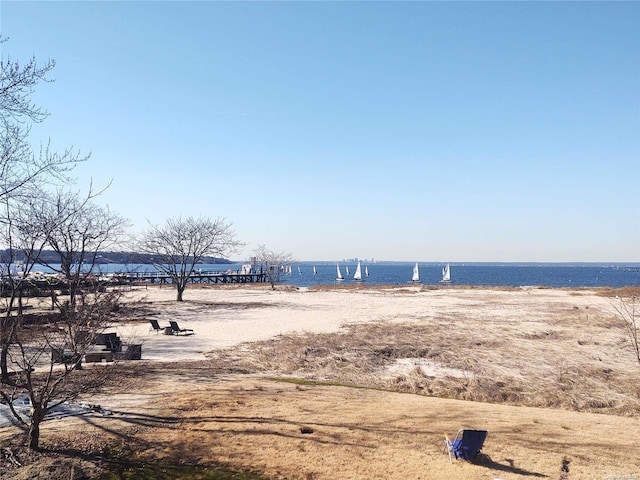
418,131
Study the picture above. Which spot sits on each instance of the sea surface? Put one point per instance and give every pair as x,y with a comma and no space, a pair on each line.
481,274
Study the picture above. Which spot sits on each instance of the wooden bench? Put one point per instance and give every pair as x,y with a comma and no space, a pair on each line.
98,357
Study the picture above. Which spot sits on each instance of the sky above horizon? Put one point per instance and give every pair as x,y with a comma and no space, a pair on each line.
417,131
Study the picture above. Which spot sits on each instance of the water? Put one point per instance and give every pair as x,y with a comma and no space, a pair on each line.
515,275
484,274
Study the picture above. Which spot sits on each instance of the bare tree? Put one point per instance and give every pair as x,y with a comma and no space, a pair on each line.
19,166
628,310
25,237
32,349
27,225
22,178
272,263
180,244
79,230
17,83
45,359
22,173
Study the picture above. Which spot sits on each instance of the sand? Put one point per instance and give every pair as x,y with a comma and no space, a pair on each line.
207,412
224,317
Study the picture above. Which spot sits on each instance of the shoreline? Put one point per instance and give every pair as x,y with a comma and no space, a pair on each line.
409,286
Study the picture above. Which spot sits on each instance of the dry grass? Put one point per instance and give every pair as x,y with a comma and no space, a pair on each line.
369,434
619,292
571,360
321,432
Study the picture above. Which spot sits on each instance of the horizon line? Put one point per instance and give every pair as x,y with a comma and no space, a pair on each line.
538,262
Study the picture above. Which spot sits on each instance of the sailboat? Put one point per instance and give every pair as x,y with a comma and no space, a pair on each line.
366,271
314,270
358,275
446,275
299,272
347,269
416,274
339,275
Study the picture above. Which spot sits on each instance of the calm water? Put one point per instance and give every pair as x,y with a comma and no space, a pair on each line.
510,274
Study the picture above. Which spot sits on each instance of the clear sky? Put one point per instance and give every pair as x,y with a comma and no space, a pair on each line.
418,131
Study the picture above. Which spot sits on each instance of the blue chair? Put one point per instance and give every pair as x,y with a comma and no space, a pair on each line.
466,445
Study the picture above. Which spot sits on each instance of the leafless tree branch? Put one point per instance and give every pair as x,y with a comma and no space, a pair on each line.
180,244
272,263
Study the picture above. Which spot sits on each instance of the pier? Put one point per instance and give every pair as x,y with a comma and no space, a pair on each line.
195,278
129,278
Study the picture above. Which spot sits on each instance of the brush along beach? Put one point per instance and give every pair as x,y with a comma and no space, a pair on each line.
362,382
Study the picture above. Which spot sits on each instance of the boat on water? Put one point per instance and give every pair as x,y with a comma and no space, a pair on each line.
416,274
314,270
339,276
346,269
357,276
446,274
366,271
299,272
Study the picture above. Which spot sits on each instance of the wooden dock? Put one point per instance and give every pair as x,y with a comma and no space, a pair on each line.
131,278
195,278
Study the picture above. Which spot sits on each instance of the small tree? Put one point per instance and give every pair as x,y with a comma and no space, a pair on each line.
628,310
180,244
25,238
272,263
34,355
80,229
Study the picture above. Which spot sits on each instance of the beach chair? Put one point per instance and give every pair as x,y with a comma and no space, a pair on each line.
155,326
466,445
178,331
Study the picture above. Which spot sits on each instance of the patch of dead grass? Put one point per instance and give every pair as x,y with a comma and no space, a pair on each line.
545,366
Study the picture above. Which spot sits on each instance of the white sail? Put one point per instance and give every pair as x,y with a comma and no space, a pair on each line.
446,274
314,270
299,272
347,269
358,275
416,273
339,275
366,271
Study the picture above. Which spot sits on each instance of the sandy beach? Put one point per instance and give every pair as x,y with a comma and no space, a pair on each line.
225,317
548,372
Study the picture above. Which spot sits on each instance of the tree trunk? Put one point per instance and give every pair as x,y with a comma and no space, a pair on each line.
20,300
72,296
180,289
4,366
37,416
7,326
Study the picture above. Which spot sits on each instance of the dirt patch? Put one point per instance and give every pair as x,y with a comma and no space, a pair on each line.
288,430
